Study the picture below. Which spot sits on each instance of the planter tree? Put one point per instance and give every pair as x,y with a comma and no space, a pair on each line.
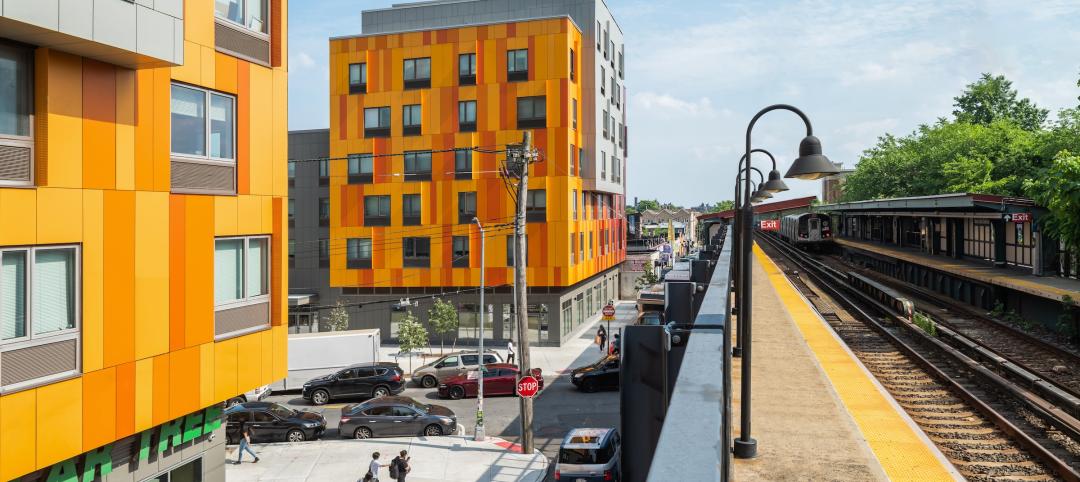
443,318
411,336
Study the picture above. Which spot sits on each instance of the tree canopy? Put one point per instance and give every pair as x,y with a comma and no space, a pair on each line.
992,98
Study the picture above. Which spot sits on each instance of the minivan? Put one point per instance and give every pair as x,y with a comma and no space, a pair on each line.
428,376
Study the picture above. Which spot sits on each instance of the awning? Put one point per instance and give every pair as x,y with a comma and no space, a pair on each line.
302,299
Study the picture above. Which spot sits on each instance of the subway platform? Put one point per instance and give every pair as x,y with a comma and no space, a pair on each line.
817,413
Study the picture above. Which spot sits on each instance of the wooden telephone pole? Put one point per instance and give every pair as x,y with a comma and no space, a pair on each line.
518,158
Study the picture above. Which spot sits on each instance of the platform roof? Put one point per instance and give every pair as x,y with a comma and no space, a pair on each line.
938,202
797,203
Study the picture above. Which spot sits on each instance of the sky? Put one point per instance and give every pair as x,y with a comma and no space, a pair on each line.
698,71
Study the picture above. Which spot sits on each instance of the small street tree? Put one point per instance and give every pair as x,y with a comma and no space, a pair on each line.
338,318
411,336
648,277
444,320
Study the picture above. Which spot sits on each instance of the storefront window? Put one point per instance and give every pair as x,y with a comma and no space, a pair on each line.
579,305
189,472
467,320
397,315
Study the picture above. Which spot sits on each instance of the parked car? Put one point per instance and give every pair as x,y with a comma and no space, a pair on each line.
255,395
428,376
365,380
396,417
601,375
588,455
272,422
499,379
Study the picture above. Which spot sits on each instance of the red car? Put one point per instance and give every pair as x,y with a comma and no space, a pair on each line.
499,379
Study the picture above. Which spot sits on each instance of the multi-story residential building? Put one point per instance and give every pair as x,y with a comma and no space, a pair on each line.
412,95
832,187
142,229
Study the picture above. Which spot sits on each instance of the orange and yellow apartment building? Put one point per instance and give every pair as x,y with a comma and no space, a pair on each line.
142,231
409,100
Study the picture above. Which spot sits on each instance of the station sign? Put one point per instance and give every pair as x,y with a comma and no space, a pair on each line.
770,224
1017,217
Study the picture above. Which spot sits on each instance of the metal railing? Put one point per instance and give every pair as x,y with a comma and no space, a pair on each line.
695,440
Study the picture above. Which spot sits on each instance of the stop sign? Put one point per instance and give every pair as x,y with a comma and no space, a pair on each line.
527,386
609,311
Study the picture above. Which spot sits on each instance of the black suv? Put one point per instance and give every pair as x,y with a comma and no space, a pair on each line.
365,380
603,374
272,422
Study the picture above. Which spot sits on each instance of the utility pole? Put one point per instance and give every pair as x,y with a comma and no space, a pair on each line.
518,158
479,434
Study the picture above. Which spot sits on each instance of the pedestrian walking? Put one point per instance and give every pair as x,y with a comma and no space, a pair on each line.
509,352
373,469
245,444
399,467
614,344
601,338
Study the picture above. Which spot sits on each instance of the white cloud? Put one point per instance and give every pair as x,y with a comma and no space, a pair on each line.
301,61
668,104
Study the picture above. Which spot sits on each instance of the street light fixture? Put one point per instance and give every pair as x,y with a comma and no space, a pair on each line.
774,184
810,164
479,434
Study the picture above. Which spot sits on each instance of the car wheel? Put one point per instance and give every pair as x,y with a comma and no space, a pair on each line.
295,436
429,382
588,386
320,397
362,432
457,393
433,430
380,392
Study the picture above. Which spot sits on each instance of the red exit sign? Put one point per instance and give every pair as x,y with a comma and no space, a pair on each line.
1018,217
770,225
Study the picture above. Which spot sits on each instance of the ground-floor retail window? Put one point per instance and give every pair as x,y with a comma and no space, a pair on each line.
397,315
300,322
189,472
538,327
579,305
469,322
508,322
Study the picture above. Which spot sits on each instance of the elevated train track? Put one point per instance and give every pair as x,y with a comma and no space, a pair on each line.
995,414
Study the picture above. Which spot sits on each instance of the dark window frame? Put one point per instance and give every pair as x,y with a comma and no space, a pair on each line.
514,72
378,219
410,124
416,82
463,171
464,125
358,176
324,216
354,246
465,199
416,252
380,130
460,252
468,76
359,87
536,213
573,67
414,174
412,209
533,120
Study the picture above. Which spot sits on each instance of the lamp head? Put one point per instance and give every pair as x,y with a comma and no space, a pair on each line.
775,183
811,163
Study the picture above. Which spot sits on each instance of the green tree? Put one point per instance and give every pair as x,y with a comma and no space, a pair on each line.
1058,188
412,336
443,318
648,276
721,206
338,318
992,98
646,204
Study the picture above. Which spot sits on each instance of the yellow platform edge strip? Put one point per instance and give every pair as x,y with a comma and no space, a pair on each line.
903,453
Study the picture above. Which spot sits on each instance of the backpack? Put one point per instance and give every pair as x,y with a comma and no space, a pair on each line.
394,471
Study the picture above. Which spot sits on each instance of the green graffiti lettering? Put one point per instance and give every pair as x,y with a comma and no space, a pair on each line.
100,458
193,426
169,432
144,445
212,418
63,472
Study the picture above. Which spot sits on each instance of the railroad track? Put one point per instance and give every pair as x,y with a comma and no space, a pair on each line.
989,427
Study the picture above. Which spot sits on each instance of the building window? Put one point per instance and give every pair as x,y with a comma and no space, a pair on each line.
517,65
361,168
574,203
16,115
376,210
581,247
607,129
590,245
603,163
410,209
357,78
511,253
377,122
292,253
197,134
324,211
292,212
580,160
417,73
416,252
241,274
467,69
572,161
536,206
324,172
411,119
358,253
615,92
603,80
573,248
611,47
622,50
460,252
573,66
249,14
466,202
467,116
292,173
597,33
573,113
531,112
418,166
463,160
39,298
324,253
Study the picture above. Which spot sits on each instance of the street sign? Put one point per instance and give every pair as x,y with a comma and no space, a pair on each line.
527,386
770,224
609,312
1018,217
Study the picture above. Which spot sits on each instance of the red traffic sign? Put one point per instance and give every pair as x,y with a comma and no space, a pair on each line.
527,386
770,224
609,311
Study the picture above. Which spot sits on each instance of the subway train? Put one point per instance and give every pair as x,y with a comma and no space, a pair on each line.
807,231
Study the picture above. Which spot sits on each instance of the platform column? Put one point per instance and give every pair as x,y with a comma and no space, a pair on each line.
998,225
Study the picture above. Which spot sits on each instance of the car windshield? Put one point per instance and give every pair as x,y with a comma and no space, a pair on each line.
281,411
584,456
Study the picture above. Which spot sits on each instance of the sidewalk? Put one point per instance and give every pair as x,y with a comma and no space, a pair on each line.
434,459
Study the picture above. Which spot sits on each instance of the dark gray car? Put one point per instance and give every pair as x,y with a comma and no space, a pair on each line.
396,417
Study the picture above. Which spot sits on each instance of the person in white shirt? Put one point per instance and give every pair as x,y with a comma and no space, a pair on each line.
509,352
373,468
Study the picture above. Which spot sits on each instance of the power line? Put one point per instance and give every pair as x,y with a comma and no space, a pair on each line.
358,156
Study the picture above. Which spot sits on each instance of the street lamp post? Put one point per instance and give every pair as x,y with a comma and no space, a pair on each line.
478,434
810,164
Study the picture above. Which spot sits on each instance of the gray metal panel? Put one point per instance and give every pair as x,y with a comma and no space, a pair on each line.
306,276
241,44
198,177
15,163
38,361
242,318
155,33
113,22
173,8
77,18
43,13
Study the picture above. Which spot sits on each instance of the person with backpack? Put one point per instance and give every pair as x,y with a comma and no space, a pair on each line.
399,467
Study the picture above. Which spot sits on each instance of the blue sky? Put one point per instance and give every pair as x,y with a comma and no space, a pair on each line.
697,71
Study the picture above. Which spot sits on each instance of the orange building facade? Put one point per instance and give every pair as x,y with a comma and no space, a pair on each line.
142,233
407,111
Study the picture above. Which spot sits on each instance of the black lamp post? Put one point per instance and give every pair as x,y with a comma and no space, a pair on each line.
810,164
